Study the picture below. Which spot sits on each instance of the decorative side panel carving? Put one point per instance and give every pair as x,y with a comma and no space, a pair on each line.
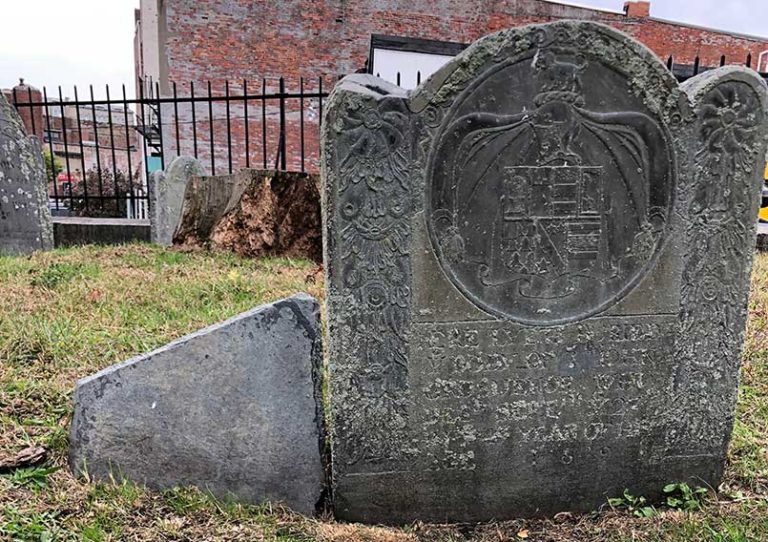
367,213
727,151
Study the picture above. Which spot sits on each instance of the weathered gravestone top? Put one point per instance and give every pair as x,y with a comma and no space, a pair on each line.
538,266
25,221
166,196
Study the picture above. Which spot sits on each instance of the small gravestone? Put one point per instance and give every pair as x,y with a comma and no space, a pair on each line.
537,273
166,195
234,409
25,221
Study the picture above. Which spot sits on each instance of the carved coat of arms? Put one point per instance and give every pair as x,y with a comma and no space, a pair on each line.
557,208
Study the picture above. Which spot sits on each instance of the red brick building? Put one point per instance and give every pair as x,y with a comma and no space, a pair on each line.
83,139
218,40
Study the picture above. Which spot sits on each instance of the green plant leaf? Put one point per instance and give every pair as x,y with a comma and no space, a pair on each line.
673,502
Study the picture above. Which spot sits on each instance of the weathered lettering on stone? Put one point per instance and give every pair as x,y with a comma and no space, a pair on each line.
25,221
537,272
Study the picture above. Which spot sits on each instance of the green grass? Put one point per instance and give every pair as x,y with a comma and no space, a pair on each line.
68,313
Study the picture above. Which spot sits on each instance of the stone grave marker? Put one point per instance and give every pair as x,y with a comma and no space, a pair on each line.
25,221
234,409
538,266
166,195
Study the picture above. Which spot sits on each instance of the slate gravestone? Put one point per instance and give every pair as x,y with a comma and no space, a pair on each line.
234,409
537,268
25,221
166,196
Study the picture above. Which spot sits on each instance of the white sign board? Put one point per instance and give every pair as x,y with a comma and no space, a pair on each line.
412,67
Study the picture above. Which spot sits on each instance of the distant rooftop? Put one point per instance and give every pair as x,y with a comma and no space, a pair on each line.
641,5
584,6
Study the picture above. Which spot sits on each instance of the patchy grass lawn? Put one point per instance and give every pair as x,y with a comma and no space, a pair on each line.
69,313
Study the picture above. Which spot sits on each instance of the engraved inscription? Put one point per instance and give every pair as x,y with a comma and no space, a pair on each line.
486,388
548,206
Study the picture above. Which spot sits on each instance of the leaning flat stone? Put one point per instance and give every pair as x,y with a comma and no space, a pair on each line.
233,409
25,221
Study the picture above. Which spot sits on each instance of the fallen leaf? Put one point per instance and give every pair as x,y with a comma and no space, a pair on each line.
27,457
522,534
94,296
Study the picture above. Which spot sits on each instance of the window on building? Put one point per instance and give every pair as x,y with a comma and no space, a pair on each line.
409,61
52,136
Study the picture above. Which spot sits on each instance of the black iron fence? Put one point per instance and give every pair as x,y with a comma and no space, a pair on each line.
686,71
681,71
100,152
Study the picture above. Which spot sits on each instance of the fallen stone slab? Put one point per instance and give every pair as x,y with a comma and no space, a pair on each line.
234,409
72,231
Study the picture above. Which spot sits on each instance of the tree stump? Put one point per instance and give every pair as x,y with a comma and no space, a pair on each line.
253,213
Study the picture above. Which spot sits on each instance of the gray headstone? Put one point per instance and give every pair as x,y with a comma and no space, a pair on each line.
25,221
537,274
166,195
234,409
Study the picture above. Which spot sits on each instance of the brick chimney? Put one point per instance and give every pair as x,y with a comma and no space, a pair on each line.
637,8
32,117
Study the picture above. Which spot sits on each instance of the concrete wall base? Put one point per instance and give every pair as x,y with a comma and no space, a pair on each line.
74,231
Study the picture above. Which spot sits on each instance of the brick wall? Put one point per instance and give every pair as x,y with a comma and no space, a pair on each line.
236,39
250,39
206,133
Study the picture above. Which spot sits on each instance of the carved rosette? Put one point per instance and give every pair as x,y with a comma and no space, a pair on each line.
721,203
367,156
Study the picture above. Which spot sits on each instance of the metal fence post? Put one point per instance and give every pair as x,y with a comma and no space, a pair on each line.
160,125
283,161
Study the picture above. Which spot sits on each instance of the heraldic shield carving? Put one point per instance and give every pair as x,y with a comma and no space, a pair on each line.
549,189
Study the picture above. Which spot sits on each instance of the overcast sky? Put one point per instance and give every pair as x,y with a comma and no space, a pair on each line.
67,42
743,16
